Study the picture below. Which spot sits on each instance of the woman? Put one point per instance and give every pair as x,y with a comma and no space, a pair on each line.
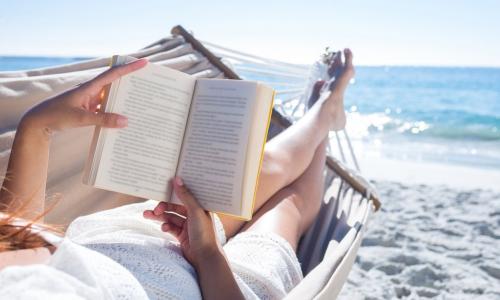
162,250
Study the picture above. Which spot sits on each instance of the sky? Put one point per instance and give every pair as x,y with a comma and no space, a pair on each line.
380,32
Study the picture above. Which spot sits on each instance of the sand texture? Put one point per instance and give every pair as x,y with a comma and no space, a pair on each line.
429,242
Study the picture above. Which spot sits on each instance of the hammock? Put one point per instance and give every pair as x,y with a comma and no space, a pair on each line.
326,252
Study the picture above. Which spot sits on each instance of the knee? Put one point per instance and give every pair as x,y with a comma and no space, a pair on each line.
296,201
306,208
276,162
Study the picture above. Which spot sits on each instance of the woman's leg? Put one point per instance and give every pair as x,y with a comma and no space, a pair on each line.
288,155
291,211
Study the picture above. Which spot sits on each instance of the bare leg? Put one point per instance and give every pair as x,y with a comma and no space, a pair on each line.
289,154
292,209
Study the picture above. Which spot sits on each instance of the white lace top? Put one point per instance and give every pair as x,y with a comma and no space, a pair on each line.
151,255
117,254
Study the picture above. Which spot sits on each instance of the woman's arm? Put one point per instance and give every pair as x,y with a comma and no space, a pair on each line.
24,184
216,278
195,231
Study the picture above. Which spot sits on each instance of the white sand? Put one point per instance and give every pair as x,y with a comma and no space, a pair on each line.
419,172
437,234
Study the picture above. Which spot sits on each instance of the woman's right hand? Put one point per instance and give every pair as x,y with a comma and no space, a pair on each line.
194,228
189,223
77,107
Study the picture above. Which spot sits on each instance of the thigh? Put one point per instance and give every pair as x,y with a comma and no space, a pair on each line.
280,215
273,177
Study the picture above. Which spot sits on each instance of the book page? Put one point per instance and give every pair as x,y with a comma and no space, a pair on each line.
255,150
140,159
214,150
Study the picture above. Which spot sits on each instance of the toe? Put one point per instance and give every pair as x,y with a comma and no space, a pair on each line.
348,57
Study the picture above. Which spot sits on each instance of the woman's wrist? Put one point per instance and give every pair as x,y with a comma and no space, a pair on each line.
216,277
209,257
30,126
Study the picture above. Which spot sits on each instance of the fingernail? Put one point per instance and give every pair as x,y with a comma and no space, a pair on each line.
122,121
178,181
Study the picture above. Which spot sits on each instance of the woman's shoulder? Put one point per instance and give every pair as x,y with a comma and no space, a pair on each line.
73,272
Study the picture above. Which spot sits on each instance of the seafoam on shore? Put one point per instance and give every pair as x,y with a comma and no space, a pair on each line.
429,241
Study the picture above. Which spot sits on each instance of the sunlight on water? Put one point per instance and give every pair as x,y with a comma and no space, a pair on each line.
449,115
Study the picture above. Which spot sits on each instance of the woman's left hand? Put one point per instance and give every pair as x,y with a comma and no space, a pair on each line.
190,224
78,107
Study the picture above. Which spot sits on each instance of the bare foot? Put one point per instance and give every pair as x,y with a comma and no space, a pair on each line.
331,94
342,72
333,72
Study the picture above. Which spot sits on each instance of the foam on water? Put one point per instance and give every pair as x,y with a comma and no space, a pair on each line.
449,115
440,114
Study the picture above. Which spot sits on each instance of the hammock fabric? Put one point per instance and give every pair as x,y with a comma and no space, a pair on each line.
329,248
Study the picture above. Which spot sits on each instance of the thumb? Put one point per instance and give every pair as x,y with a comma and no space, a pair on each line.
107,120
182,192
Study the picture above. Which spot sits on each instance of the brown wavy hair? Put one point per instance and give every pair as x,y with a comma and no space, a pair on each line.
16,236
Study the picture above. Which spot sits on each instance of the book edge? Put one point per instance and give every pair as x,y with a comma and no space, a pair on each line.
249,215
91,165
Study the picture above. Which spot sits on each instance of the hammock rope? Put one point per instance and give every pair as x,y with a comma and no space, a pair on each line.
327,251
278,74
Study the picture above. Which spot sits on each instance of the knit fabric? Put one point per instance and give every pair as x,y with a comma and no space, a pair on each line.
148,261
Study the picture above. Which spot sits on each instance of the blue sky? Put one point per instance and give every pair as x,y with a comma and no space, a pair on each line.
380,32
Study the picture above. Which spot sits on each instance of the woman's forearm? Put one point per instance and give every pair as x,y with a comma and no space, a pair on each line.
217,280
26,176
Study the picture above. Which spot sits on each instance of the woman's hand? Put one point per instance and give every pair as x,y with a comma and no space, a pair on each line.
195,231
190,224
28,162
78,107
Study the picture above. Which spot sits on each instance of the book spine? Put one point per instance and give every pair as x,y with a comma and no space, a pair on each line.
92,163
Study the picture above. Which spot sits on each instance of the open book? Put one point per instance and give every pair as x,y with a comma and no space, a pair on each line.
211,132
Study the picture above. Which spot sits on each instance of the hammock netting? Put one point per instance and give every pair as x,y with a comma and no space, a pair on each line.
326,252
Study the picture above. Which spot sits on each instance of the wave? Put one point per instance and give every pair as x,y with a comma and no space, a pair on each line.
381,124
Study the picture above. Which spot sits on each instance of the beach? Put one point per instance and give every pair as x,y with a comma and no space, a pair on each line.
429,140
433,155
429,241
437,234
422,110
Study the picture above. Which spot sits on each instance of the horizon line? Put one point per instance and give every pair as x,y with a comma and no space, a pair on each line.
67,56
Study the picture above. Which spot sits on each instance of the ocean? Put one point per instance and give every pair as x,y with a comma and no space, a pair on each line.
427,240
438,114
441,114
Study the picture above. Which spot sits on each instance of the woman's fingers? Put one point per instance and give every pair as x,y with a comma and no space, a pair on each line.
165,218
108,120
114,73
182,192
166,206
148,214
171,228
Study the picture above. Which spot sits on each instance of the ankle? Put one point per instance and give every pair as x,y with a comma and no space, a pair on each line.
334,105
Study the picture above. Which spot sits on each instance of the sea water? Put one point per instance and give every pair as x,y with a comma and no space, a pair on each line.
449,115
15,63
438,114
